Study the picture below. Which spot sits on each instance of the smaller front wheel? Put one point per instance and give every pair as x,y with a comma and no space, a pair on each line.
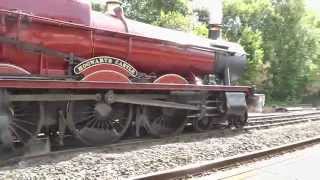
238,121
201,125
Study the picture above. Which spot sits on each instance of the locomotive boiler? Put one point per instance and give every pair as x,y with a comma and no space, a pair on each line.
65,68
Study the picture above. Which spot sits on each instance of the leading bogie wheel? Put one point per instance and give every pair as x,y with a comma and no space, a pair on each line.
241,121
238,121
201,124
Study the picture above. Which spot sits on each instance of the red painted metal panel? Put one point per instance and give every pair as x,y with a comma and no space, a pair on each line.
64,39
171,79
106,76
96,34
9,69
77,11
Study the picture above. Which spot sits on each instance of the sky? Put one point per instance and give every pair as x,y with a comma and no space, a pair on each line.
315,5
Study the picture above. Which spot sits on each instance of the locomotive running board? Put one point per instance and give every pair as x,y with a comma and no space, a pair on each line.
142,89
86,85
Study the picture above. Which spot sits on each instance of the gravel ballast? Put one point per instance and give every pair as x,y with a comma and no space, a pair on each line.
127,162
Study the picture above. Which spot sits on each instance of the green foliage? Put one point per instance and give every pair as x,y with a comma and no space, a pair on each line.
174,20
173,14
241,24
252,42
97,6
150,11
284,36
201,30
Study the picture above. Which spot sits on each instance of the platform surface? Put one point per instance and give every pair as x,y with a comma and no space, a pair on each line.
300,165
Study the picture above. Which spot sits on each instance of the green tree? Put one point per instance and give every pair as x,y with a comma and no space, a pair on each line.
252,42
291,46
174,20
201,29
242,23
150,11
173,14
287,39
97,6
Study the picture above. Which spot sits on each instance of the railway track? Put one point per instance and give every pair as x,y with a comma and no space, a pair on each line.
254,123
267,122
279,116
193,170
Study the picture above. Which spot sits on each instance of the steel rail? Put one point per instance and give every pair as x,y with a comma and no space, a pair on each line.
266,117
276,120
225,162
282,123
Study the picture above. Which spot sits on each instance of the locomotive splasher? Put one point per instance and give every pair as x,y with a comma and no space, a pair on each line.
94,74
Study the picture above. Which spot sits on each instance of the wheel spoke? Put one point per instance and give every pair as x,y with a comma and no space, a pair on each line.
89,122
94,123
23,121
83,120
15,133
22,129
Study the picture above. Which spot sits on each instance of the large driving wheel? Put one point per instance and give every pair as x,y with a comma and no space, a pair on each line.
96,123
163,122
19,124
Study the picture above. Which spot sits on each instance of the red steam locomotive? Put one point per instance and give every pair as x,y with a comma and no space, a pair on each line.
65,69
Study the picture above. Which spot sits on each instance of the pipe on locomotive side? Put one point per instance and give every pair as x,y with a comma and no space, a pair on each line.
148,48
